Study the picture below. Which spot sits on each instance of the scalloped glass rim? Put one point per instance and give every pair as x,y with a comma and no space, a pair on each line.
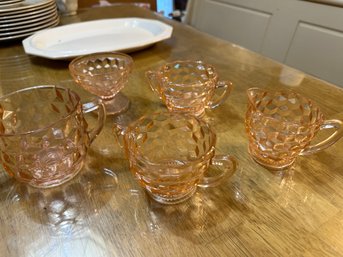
69,41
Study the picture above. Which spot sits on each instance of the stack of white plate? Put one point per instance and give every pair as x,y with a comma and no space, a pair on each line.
9,3
21,18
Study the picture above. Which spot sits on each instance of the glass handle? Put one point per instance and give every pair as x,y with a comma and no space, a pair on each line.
90,107
119,132
122,135
224,88
153,82
333,138
226,165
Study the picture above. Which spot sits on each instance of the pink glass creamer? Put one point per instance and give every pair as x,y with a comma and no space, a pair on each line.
281,126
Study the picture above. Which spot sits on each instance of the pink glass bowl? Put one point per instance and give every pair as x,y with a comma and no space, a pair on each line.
104,75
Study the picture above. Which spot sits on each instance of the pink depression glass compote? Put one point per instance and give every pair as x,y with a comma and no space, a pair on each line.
104,75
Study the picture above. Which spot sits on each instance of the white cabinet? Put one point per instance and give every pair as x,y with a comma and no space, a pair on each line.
301,34
240,25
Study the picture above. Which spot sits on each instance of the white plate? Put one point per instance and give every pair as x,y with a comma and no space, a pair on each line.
7,5
35,23
25,6
8,18
32,20
2,3
127,34
10,1
27,32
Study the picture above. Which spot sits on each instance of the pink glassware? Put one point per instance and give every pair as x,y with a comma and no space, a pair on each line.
189,87
171,155
281,126
104,75
44,137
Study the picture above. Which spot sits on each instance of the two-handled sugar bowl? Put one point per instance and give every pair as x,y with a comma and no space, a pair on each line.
171,154
189,87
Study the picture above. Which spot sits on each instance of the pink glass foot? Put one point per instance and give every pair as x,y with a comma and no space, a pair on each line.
120,103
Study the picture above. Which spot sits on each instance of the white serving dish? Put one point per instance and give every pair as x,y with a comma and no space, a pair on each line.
124,34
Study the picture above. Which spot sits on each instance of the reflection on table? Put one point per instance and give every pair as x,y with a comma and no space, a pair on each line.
104,211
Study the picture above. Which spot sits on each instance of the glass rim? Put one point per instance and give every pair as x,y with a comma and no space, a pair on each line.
207,156
82,58
210,150
287,91
161,71
72,111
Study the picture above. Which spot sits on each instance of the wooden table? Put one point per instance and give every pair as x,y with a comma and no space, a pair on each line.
104,212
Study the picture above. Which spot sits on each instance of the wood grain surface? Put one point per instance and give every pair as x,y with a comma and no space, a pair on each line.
104,212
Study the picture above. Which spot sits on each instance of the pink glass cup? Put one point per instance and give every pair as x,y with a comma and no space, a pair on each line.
104,75
44,137
281,125
171,154
189,87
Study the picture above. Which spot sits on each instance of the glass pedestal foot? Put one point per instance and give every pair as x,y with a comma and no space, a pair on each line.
120,103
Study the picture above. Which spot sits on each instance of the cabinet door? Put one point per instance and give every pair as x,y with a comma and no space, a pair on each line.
233,20
317,45
302,34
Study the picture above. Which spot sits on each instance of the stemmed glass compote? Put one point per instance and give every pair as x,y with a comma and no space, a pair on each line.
104,75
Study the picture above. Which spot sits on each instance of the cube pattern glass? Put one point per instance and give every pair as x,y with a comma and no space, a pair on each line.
280,125
102,74
43,137
169,154
188,86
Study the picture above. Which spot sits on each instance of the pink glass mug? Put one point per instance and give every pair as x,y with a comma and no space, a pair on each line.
43,134
281,125
171,154
189,86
